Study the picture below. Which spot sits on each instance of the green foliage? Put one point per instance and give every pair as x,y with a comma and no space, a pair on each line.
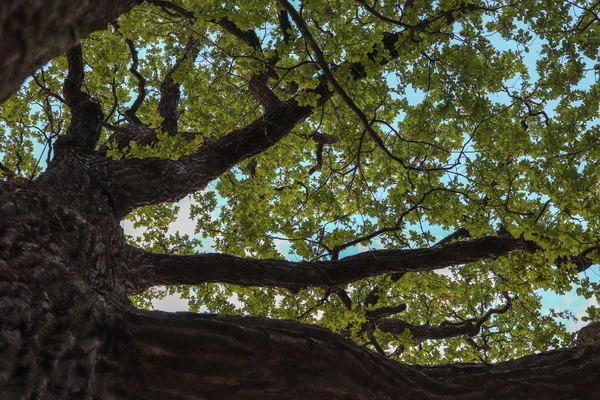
450,106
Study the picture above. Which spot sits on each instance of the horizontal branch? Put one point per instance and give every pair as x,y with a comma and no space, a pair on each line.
419,333
149,269
187,354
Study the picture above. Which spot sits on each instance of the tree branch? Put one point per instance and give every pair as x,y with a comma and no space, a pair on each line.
149,269
420,333
284,24
33,33
6,172
138,131
86,114
337,87
170,90
249,36
259,88
288,360
152,180
130,113
139,182
381,312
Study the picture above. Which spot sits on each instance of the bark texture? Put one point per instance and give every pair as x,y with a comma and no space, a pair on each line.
68,330
34,32
61,308
250,358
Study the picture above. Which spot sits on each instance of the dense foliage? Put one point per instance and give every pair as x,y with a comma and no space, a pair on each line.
481,119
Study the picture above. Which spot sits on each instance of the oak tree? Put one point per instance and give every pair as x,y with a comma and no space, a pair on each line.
386,188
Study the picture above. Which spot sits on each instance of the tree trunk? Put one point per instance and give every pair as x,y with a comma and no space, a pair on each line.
61,311
68,330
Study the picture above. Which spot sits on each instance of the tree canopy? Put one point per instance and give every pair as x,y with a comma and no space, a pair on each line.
409,175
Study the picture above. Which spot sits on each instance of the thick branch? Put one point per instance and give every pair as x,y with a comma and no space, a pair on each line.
187,354
381,312
139,182
151,181
248,36
581,261
149,269
261,91
86,113
35,32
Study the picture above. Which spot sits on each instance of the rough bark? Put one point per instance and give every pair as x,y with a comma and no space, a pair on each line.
61,307
34,32
159,269
229,357
139,182
67,329
151,181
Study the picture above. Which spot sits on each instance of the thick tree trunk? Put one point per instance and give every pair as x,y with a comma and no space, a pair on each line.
34,32
67,329
61,309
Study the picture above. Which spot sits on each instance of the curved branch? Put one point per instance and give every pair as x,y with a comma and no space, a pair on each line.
192,354
149,269
139,182
151,181
381,312
130,113
27,43
86,113
419,333
337,87
248,36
